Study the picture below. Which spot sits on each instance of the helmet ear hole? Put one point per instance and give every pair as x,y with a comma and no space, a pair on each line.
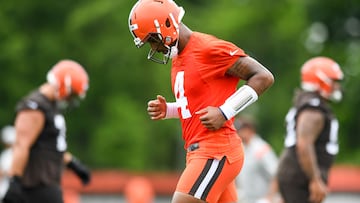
167,23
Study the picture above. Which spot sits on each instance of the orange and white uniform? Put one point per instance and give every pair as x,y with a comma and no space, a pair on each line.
198,80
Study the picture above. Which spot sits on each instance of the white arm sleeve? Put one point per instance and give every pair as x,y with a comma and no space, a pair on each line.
237,102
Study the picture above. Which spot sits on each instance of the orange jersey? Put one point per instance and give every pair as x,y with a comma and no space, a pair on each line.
198,80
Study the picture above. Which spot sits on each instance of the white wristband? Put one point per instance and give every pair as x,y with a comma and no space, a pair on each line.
171,110
238,101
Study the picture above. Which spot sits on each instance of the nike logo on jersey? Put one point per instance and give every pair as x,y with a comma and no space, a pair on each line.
232,53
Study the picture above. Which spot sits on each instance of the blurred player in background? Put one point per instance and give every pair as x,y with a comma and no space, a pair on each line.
312,129
40,143
8,135
256,183
204,76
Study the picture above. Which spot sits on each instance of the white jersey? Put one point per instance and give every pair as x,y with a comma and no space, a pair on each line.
5,160
259,168
5,165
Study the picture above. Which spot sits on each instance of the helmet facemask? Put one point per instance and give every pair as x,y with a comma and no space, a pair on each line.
336,93
336,96
70,102
160,52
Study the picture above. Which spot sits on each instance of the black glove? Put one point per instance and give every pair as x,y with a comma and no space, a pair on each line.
80,170
14,192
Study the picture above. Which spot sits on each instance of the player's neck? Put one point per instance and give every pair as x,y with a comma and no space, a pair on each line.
48,90
184,36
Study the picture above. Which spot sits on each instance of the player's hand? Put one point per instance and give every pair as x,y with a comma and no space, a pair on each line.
80,170
14,191
318,190
157,108
211,117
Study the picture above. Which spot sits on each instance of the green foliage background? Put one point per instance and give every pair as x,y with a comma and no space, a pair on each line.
111,128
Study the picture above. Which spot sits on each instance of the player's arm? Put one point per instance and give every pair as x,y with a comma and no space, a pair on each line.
257,78
77,167
28,125
309,125
256,75
160,109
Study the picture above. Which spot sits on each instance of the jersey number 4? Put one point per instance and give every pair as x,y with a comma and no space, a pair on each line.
179,92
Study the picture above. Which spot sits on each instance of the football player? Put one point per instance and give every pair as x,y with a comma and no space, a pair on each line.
312,129
204,76
38,151
256,183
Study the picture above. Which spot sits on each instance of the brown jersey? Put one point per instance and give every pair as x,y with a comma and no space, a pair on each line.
45,163
326,145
